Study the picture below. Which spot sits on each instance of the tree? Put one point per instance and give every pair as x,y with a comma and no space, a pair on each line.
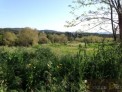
69,36
111,13
9,38
51,38
63,38
55,38
28,36
43,38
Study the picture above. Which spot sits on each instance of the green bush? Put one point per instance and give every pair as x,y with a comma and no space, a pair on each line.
1,39
38,69
103,68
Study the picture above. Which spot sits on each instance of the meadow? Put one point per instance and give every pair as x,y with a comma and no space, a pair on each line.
70,48
86,59
71,67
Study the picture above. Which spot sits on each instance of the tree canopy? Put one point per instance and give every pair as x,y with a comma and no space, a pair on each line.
28,36
100,13
9,38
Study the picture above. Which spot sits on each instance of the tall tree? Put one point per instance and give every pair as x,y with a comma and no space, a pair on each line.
100,11
117,6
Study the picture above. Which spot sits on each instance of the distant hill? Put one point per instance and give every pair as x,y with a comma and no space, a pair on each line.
49,31
105,33
16,30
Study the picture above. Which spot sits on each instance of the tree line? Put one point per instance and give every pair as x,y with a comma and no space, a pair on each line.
29,37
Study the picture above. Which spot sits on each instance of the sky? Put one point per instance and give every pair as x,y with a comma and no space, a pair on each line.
39,14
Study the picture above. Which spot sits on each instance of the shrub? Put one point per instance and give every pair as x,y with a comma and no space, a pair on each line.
103,68
40,70
28,36
9,38
43,38
1,39
58,38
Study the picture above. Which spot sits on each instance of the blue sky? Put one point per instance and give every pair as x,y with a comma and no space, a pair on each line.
40,14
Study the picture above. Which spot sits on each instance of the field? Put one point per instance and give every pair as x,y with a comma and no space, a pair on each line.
59,49
70,48
70,67
44,49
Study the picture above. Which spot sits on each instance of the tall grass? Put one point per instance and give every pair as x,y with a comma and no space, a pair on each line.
40,70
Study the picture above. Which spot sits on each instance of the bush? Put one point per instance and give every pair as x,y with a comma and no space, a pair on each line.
58,38
95,39
27,37
23,69
9,38
1,39
43,38
103,68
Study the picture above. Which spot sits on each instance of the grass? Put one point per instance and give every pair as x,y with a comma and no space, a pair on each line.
60,49
70,48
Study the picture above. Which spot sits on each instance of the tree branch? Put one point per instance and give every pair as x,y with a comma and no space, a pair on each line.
95,26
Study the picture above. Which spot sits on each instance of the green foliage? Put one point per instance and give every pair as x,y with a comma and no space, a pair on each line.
1,39
28,36
38,69
43,38
94,39
9,38
103,68
58,38
63,38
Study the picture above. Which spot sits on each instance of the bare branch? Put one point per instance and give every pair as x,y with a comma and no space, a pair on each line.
95,26
102,18
111,3
105,30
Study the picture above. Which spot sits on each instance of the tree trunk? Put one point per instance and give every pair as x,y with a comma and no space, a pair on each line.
120,26
112,24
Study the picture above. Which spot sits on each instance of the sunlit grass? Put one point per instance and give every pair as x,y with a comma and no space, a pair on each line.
70,48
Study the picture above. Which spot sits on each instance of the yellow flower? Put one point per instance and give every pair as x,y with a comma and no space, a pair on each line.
29,64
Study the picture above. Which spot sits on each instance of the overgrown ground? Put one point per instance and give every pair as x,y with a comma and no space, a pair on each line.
70,48
71,67
73,47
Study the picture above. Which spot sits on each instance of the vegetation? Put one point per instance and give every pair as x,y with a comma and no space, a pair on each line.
32,37
1,38
9,38
35,69
43,38
34,61
28,36
38,61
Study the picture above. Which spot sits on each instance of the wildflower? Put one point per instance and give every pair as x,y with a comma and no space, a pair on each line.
29,64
